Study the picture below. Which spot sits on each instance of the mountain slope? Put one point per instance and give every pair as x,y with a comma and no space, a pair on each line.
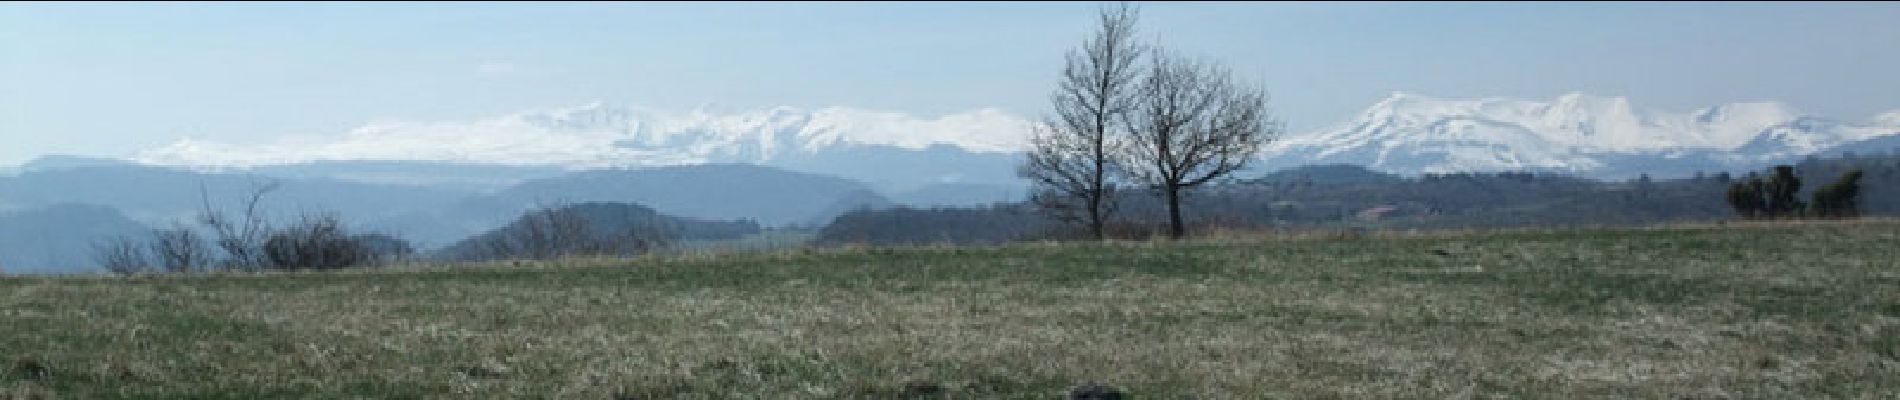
58,238
768,196
158,195
609,224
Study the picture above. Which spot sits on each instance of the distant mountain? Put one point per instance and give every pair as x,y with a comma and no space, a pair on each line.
892,169
55,162
431,212
766,195
1407,134
608,223
454,175
888,149
157,195
961,194
57,239
1574,133
1889,144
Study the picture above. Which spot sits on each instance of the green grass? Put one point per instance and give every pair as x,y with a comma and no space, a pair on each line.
1806,310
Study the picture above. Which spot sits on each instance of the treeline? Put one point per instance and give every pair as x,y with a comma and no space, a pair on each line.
248,241
905,225
1779,195
1332,197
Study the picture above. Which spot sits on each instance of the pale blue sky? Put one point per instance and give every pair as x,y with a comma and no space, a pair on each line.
113,78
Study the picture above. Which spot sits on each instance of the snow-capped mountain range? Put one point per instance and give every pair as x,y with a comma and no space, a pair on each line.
1404,133
604,135
1574,133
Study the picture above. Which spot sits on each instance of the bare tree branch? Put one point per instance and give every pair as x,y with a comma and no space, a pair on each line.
180,249
242,241
1193,125
121,255
1072,161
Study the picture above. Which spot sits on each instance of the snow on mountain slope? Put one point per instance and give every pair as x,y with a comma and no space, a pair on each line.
1890,118
1577,133
1404,133
602,135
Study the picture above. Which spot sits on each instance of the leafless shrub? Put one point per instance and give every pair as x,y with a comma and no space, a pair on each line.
121,255
315,242
180,249
242,238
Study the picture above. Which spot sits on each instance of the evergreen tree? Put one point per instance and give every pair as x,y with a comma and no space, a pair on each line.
1783,190
1839,199
1746,197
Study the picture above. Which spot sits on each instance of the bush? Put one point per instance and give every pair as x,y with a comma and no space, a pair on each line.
315,243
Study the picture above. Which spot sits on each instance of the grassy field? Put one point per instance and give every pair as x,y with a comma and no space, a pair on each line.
1781,311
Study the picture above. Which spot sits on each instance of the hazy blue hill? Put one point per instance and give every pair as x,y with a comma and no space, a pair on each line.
766,195
892,169
464,176
58,238
155,194
608,220
1889,144
54,162
961,194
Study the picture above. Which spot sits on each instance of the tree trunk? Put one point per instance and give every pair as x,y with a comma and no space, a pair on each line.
1098,193
1095,219
1175,229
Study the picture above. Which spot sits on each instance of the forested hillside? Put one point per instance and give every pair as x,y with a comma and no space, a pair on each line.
1338,196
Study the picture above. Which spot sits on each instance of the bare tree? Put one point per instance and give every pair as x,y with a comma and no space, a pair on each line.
1072,152
180,249
121,255
1193,124
241,240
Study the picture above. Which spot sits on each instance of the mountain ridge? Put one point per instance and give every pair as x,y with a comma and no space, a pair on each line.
1404,133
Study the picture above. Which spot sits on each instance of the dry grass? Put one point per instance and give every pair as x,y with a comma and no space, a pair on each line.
1803,310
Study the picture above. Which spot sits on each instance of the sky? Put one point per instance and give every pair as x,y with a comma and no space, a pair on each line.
109,79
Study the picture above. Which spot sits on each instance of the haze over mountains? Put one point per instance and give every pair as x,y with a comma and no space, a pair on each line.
435,183
1408,134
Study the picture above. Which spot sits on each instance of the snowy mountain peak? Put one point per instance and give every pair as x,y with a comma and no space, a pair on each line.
1407,133
1753,113
602,134
1574,132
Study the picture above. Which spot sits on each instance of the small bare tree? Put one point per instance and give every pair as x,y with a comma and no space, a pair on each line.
1072,154
180,249
315,242
1193,124
121,255
242,240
